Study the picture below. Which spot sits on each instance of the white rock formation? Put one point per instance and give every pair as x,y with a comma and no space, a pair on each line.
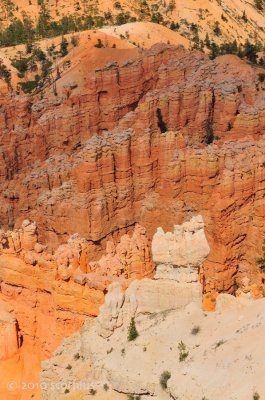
8,333
178,255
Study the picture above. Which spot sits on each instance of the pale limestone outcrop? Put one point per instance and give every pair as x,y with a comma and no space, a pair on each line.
222,342
9,343
178,255
143,297
110,316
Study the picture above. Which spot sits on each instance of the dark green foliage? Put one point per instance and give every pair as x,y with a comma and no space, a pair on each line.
250,51
122,18
99,44
160,122
244,16
165,376
17,32
132,331
261,261
29,86
183,353
174,26
157,18
261,77
64,47
259,4
216,29
5,74
21,64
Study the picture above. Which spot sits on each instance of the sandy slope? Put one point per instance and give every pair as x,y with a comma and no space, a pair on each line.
145,34
225,357
85,58
204,13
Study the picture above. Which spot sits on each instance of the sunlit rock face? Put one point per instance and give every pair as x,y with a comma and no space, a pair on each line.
179,255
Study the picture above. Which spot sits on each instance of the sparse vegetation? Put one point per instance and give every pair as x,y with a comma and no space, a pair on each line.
219,343
261,261
105,387
99,44
92,392
183,352
69,366
5,74
132,331
195,330
64,47
164,377
259,4
256,396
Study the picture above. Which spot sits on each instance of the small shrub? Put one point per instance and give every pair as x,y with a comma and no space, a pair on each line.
92,392
220,343
165,376
77,356
67,391
105,387
261,261
64,47
69,366
261,77
256,396
132,331
244,16
74,41
216,29
99,44
183,353
195,330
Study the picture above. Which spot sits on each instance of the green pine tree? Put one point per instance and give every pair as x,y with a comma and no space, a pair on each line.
132,331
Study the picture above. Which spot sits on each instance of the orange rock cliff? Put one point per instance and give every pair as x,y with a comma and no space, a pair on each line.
143,144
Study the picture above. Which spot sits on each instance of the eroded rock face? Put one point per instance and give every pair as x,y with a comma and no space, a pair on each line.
61,290
110,166
179,255
9,337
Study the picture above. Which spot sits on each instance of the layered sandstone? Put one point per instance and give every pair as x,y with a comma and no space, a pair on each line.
51,294
110,166
91,164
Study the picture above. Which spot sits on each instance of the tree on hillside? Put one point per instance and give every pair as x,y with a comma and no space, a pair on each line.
64,47
261,261
259,4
